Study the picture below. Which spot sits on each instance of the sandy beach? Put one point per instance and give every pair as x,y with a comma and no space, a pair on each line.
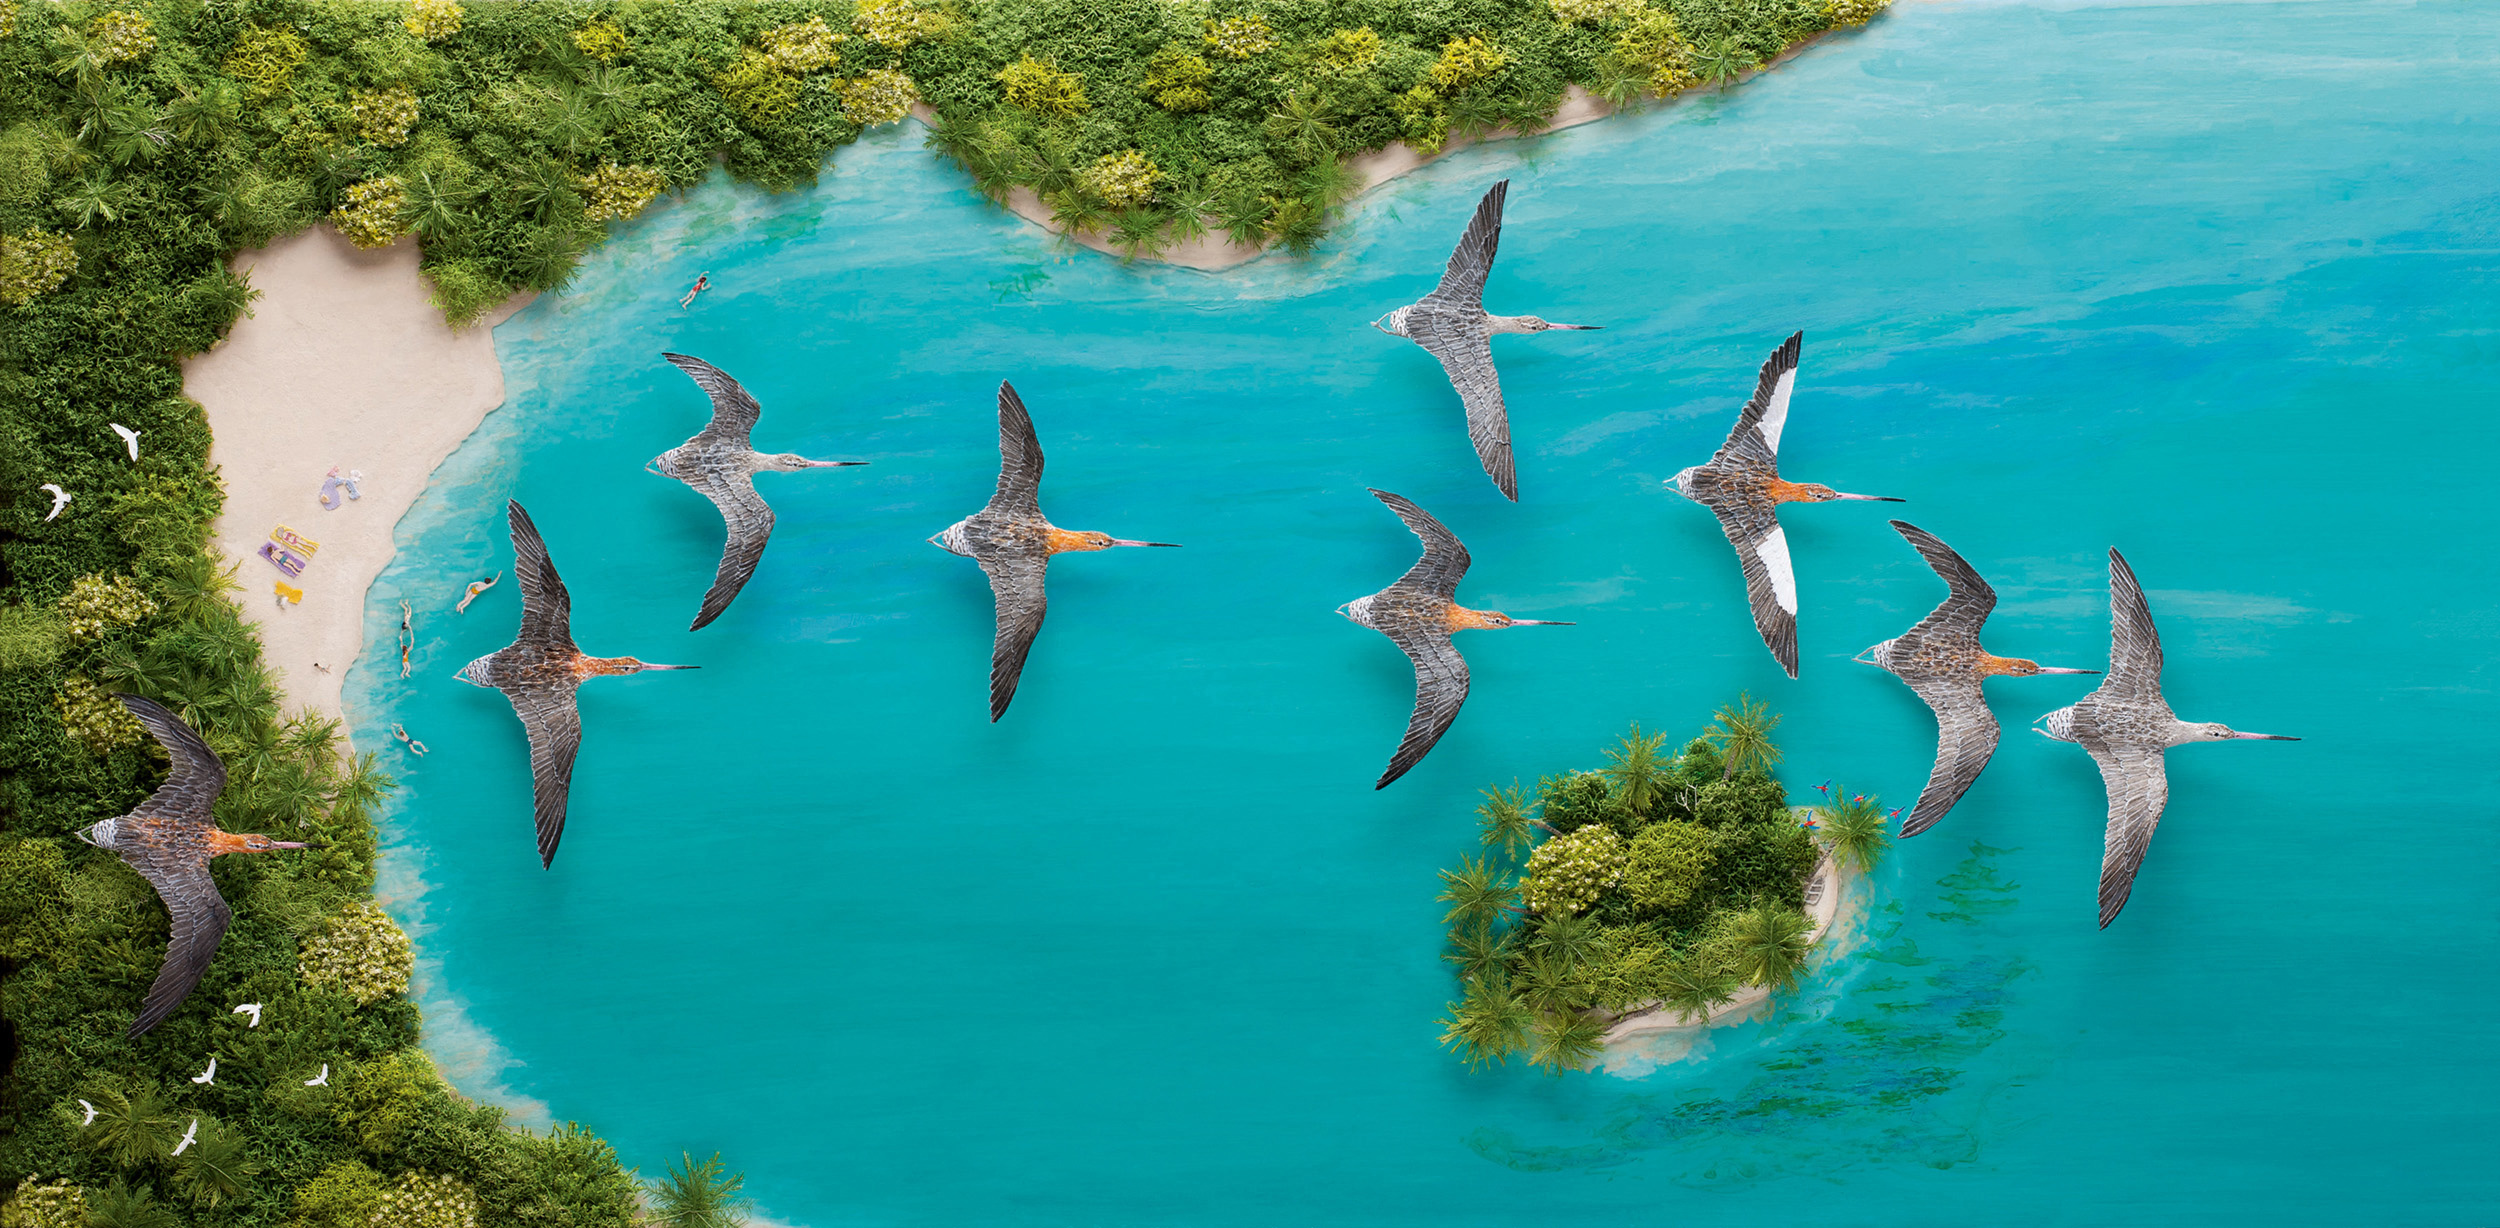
343,362
1639,1042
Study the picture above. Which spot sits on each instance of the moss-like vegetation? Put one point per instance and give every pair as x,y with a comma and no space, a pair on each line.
1656,882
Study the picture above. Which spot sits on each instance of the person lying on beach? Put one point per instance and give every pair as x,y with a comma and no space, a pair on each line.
476,587
702,282
330,483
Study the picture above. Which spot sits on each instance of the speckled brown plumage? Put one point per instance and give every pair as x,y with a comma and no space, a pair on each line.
1419,613
539,673
169,840
1942,661
1013,542
2127,728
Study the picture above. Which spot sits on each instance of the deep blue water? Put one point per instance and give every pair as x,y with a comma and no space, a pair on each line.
2212,283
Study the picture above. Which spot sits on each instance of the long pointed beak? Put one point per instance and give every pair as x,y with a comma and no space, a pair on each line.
1119,541
288,844
672,667
814,464
1539,622
1578,328
1861,659
2266,737
1872,498
2059,669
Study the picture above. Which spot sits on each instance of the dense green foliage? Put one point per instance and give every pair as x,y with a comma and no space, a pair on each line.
1661,883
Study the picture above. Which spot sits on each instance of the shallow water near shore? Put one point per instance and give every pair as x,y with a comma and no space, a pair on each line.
2213,284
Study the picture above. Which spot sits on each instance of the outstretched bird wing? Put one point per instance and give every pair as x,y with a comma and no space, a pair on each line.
176,867
1445,560
2139,787
1968,599
1966,738
1466,353
2134,643
1016,587
733,411
552,717
1462,282
1756,440
1752,526
1440,690
750,522
546,608
1019,460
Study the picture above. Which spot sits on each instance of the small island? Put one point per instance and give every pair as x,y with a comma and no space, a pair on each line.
1659,884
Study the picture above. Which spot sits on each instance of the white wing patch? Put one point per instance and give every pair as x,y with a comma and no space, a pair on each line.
1775,416
1774,552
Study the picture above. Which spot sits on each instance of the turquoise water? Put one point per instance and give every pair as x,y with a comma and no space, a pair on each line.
2211,283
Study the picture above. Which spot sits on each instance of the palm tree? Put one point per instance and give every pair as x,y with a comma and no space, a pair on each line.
93,200
700,1195
1637,771
1743,735
1551,984
1489,1023
1568,1041
1049,166
1853,829
432,206
360,791
1695,985
1620,82
1299,223
1301,126
1474,113
202,118
130,1128
1571,937
1477,894
215,1166
1479,950
1505,819
81,58
1077,211
1722,62
1137,232
543,189
1189,216
1771,941
1243,211
121,1206
1329,181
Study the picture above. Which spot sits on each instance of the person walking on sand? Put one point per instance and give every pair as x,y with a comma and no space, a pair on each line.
702,282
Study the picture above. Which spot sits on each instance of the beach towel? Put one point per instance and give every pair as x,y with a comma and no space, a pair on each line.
290,594
283,559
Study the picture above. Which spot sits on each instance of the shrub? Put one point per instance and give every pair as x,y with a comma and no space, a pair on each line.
385,116
34,264
1350,50
122,36
95,605
465,290
756,86
369,212
601,40
1239,38
1567,873
432,20
898,23
421,1201
1176,79
346,1195
361,954
801,46
1668,865
1466,61
1041,88
1854,12
265,60
613,193
1596,12
30,636
58,1204
1583,798
94,719
8,18
878,96
1654,45
1122,179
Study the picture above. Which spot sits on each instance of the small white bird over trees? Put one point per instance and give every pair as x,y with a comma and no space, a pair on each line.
209,1075
130,438
249,1008
90,1118
320,1080
60,499
189,1136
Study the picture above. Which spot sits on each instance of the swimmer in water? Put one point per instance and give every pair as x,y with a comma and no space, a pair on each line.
476,587
702,282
